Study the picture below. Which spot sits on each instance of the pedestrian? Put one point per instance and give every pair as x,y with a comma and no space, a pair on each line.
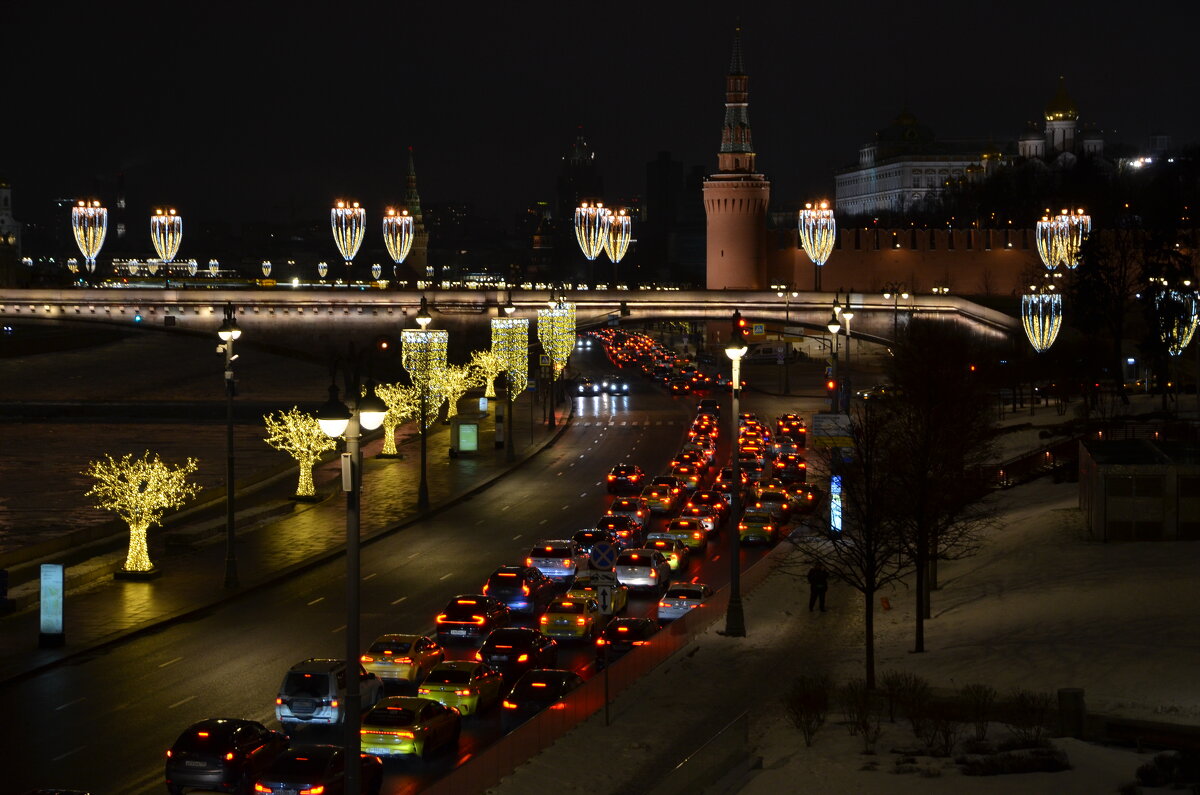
818,583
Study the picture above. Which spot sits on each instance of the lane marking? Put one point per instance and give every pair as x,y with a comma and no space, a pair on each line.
68,753
398,601
314,601
369,576
413,555
69,703
169,662
516,537
543,521
583,494
565,507
446,576
559,474
506,507
339,629
181,702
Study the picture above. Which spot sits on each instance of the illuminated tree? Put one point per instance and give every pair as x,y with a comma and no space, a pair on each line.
404,404
300,436
452,382
489,364
140,491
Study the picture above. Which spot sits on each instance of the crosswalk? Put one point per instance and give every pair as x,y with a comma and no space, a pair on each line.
628,423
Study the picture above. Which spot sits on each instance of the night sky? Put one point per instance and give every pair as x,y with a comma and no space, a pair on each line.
235,113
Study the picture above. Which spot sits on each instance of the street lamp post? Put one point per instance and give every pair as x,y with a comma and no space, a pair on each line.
786,292
336,419
735,619
423,320
834,326
228,332
895,291
847,315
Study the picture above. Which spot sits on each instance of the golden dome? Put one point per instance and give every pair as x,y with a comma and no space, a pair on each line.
1061,108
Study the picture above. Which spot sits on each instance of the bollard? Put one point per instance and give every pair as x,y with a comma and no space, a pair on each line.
1072,713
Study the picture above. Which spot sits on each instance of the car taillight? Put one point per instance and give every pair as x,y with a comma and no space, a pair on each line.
662,604
523,658
641,643
529,562
441,619
508,704
612,477
559,705
334,703
478,620
697,536
317,790
168,753
485,588
567,563
462,692
544,619
623,533
261,788
599,642
278,702
229,756
421,691
525,590
366,658
405,735
653,572
479,656
580,621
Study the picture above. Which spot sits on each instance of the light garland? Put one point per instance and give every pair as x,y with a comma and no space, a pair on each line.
166,232
450,383
510,338
556,332
348,222
300,436
140,491
592,222
818,231
403,403
489,364
1180,312
423,353
616,242
89,222
1041,316
397,234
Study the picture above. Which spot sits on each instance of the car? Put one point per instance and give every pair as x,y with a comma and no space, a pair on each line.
645,569
876,392
726,476
470,617
676,485
221,754
625,477
623,634
710,407
707,515
790,423
674,550
659,499
779,504
748,418
704,427
586,387
557,558
634,507
805,498
318,768
571,618
410,726
681,598
402,658
615,385
604,587
790,467
710,498
523,589
628,532
689,532
313,693
514,650
680,386
691,457
772,486
757,524
591,536
689,474
704,447
467,685
536,690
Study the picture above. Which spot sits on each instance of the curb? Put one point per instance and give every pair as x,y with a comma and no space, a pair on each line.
281,574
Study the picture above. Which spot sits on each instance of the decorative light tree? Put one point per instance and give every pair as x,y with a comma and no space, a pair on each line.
1178,311
1041,315
423,353
489,364
451,382
403,404
166,233
140,491
818,233
348,222
510,338
592,223
300,436
616,242
89,222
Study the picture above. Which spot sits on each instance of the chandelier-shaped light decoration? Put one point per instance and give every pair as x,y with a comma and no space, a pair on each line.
89,222
348,222
592,223
73,265
192,267
1072,230
152,266
423,353
616,243
510,337
166,232
1179,312
397,234
133,267
818,231
1041,315
322,269
214,267
1048,240
376,271
556,332
266,268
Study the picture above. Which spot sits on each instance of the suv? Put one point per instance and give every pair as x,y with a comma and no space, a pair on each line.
314,692
633,507
628,532
470,616
558,559
523,588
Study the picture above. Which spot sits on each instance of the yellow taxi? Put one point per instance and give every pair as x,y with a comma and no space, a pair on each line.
658,499
571,618
404,726
402,658
603,587
688,473
671,548
757,524
466,685
689,531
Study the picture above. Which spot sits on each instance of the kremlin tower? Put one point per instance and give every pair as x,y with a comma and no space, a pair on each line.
735,198
418,257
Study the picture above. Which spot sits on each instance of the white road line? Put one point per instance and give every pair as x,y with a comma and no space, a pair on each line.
506,507
339,629
169,662
516,537
479,522
446,576
565,507
314,601
597,483
559,474
543,521
583,494
572,464
69,703
68,753
581,455
369,576
398,601
181,702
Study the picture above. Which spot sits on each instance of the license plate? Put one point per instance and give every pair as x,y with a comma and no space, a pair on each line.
500,657
458,632
192,763
562,622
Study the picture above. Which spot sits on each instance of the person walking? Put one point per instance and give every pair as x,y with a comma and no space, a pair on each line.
818,583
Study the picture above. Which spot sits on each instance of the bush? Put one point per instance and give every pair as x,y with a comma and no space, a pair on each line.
893,684
979,701
807,702
858,702
913,698
1028,712
942,728
1039,760
1174,768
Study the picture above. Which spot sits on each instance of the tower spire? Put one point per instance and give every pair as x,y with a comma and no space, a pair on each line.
418,257
736,67
737,150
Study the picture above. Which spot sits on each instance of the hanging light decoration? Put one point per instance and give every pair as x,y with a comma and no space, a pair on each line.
397,234
556,332
376,271
73,265
348,221
89,222
1179,312
1041,315
592,222
266,268
510,337
1072,230
214,267
423,354
166,232
1048,239
616,242
192,267
133,267
818,231
152,266
322,269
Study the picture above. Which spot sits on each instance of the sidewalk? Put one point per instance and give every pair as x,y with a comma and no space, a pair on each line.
192,580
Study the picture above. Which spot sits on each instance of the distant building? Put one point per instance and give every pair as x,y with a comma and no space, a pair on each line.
418,256
12,273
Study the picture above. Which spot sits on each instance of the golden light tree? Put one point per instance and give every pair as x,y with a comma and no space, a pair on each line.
300,436
489,364
451,382
140,490
404,404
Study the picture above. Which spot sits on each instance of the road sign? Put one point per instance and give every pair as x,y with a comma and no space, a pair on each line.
604,556
829,430
779,358
758,329
605,599
544,360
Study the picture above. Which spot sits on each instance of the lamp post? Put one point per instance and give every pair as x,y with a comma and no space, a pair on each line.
423,320
847,315
735,619
166,233
337,419
894,291
228,332
834,326
786,292
818,231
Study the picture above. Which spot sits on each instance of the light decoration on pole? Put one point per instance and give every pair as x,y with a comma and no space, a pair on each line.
1072,230
214,267
140,491
616,242
1179,312
450,383
166,233
266,268
818,233
510,338
556,332
397,234
89,222
592,222
300,436
1047,239
348,222
322,269
376,271
1041,315
423,353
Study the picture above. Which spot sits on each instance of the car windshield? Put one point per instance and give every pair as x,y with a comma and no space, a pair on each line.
682,593
298,684
550,552
205,739
507,638
390,646
566,607
301,766
448,676
390,716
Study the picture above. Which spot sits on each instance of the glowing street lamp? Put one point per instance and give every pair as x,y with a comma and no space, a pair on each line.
592,222
348,222
423,353
835,325
89,222
818,233
735,619
510,337
894,291
228,333
787,293
1041,317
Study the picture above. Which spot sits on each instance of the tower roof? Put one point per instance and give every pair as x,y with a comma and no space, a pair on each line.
736,65
1062,108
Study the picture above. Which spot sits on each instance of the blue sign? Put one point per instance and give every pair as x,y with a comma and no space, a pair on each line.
835,503
604,556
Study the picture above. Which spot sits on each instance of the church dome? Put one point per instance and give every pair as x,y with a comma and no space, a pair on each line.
1061,108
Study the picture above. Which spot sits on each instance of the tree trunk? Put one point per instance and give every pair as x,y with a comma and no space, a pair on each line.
933,573
138,556
305,487
389,439
869,640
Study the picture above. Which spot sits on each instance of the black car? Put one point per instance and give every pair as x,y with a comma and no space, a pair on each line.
471,616
625,477
629,533
710,407
621,635
536,690
523,589
586,387
590,537
222,754
318,768
680,386
515,650
615,385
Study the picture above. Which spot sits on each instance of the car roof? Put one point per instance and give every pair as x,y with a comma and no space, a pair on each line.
414,703
393,636
686,586
457,665
316,751
317,665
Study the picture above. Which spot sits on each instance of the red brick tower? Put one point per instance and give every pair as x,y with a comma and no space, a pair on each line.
735,198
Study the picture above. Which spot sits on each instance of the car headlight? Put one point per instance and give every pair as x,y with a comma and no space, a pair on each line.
581,387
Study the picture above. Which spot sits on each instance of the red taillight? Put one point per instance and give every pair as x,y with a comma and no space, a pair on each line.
599,642
229,756
509,705
612,477
580,622
485,588
334,703
697,536
653,573
278,701
529,562
544,619
168,753
317,790
641,643
523,658
559,705
479,656
261,788
567,563
462,692
478,620
662,604
525,590
441,619
404,660
366,658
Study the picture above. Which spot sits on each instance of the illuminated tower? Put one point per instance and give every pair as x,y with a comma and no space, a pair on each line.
735,198
1061,118
418,257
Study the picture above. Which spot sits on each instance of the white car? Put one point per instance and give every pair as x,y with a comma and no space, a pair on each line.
558,559
681,598
643,568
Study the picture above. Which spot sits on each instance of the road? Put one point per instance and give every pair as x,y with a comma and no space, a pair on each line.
103,722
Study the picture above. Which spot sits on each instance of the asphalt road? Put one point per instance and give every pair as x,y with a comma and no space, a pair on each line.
103,723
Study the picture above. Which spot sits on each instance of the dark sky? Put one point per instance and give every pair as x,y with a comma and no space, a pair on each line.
240,111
